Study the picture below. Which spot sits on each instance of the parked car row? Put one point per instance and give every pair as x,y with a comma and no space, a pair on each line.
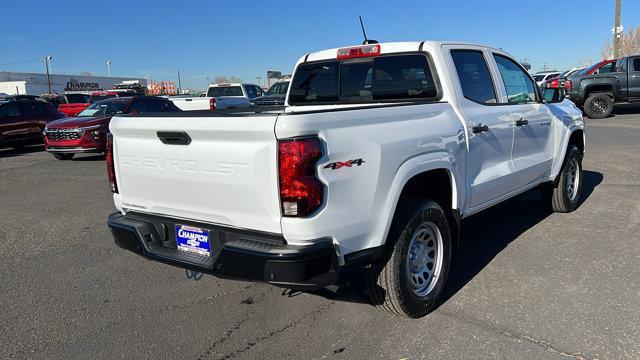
24,122
233,96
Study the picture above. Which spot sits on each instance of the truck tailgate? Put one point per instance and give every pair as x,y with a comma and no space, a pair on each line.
226,175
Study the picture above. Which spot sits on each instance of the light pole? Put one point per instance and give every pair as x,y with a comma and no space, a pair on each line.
46,65
179,83
208,82
109,71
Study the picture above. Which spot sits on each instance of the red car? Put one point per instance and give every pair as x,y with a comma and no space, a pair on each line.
75,103
22,121
87,132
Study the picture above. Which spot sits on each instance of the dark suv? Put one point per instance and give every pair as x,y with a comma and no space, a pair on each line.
87,132
22,121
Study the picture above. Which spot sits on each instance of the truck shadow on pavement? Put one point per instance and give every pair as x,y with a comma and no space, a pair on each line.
484,236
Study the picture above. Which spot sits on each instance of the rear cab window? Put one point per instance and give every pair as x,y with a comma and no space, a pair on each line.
219,91
392,77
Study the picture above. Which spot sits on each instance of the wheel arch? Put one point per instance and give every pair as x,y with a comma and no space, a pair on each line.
575,136
437,180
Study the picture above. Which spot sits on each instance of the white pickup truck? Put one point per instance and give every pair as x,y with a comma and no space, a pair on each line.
220,96
380,151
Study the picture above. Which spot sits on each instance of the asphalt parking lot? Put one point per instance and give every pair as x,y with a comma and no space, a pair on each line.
527,283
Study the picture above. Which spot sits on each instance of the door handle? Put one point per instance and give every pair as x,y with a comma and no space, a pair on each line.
546,123
522,122
480,128
174,137
634,76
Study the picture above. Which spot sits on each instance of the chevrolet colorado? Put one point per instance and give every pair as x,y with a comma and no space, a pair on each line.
379,153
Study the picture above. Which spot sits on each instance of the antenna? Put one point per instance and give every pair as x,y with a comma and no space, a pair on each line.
366,41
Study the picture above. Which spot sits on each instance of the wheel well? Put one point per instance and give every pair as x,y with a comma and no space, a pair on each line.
435,185
598,89
577,139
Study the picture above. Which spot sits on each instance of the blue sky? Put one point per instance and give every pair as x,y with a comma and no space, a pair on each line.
247,38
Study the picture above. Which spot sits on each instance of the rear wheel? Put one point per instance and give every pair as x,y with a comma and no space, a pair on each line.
63,156
409,280
598,105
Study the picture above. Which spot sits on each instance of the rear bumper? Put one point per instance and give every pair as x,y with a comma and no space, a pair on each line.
237,254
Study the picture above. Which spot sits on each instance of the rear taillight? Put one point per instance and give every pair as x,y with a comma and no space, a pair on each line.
568,85
301,191
111,171
212,104
358,52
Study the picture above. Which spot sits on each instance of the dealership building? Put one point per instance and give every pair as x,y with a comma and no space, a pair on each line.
16,83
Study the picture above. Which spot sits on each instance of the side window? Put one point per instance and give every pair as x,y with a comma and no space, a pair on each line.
251,91
520,88
636,64
138,107
10,110
475,79
31,108
259,90
157,106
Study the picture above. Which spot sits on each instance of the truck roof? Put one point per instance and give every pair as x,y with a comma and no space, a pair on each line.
389,48
230,84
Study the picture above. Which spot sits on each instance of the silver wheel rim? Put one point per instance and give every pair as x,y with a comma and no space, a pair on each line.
424,259
573,179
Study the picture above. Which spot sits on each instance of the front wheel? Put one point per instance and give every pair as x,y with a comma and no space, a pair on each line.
63,156
410,279
598,106
564,196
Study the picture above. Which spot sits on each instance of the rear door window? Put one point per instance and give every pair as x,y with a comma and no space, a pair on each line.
636,64
475,78
391,77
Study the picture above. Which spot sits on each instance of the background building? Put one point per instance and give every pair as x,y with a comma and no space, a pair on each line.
15,83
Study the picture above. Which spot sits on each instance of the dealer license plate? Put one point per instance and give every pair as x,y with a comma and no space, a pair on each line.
192,239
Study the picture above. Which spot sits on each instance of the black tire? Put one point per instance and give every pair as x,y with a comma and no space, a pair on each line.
598,105
559,195
63,156
387,281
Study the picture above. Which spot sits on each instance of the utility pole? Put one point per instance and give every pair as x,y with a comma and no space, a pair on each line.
46,64
179,83
109,71
259,78
617,32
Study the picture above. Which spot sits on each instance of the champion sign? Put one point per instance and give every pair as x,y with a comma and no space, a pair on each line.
192,239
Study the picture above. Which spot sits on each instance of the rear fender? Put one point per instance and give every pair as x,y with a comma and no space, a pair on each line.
409,169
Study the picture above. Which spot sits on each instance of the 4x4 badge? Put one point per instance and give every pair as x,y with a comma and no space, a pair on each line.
340,164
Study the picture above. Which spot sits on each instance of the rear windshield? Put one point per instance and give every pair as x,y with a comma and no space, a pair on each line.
394,77
219,91
77,98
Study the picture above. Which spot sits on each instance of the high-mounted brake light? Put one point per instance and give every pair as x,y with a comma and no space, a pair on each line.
212,104
359,51
301,191
111,171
